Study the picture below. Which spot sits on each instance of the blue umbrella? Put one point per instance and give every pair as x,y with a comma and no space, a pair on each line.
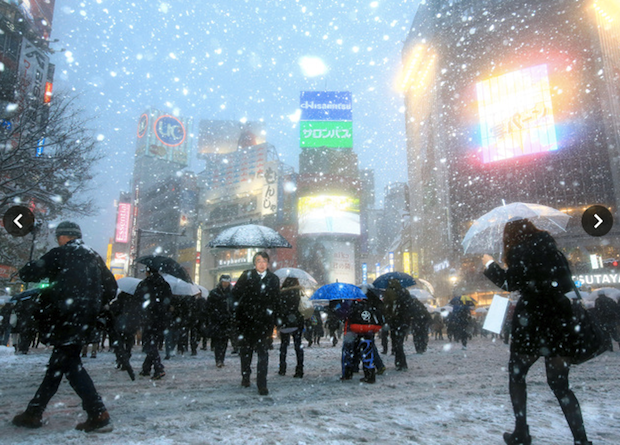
405,280
338,291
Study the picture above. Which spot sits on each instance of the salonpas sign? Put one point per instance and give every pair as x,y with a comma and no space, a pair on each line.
314,134
594,279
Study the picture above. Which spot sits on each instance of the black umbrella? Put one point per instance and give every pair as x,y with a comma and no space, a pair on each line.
249,235
165,265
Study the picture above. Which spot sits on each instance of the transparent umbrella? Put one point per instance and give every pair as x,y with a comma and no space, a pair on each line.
486,233
305,279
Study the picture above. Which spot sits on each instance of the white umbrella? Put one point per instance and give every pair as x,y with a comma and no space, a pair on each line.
610,292
421,294
128,284
485,235
180,287
305,279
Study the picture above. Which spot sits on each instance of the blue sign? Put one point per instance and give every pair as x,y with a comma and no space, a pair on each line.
40,147
169,130
326,106
364,273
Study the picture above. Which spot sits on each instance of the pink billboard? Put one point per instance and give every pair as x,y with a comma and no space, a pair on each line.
122,222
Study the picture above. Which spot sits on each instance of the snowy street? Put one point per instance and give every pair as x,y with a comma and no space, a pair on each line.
449,396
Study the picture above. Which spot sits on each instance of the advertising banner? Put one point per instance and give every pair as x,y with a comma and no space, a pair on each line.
163,136
329,134
326,106
33,66
123,217
328,214
516,114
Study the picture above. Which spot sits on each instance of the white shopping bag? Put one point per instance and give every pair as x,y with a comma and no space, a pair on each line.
497,312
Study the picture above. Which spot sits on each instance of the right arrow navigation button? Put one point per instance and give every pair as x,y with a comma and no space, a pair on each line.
597,220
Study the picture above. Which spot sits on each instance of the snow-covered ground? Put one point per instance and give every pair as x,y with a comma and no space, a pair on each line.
449,396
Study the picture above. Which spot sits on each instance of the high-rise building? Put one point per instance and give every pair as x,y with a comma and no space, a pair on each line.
509,101
165,195
243,182
328,189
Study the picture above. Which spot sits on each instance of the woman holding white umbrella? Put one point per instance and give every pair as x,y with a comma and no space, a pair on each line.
541,318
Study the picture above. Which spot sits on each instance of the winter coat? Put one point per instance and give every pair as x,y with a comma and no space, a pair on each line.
542,317
287,312
256,304
80,285
218,312
126,312
398,305
156,297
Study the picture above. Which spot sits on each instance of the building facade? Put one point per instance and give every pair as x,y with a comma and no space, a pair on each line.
509,101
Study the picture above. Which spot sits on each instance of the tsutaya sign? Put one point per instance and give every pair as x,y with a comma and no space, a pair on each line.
602,278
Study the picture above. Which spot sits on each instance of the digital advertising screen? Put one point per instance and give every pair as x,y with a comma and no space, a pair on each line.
328,214
516,114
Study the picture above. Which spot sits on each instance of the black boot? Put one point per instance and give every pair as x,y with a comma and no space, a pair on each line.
299,372
518,437
369,376
348,374
282,370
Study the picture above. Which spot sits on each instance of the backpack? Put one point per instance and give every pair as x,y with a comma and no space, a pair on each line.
364,318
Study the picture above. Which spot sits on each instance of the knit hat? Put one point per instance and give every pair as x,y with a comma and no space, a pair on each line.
225,277
68,228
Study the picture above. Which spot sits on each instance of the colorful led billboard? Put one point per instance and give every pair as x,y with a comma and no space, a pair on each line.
328,214
516,114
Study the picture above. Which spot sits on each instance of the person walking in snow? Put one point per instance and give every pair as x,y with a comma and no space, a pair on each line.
257,293
541,325
219,318
80,285
291,324
156,295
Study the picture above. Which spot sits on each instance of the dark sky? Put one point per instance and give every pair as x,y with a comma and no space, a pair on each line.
231,60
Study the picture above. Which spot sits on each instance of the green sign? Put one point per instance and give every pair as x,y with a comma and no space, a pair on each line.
326,134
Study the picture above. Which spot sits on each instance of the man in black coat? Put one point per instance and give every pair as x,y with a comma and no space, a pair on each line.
80,285
257,293
156,295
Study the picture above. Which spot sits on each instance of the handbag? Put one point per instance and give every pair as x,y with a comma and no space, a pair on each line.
588,337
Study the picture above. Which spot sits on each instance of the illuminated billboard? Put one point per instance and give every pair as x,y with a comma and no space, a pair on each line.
328,214
332,134
164,136
516,114
326,105
123,218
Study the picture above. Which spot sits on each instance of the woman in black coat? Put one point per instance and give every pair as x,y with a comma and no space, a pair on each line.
290,323
541,321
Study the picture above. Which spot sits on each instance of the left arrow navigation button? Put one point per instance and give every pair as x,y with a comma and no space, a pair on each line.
18,221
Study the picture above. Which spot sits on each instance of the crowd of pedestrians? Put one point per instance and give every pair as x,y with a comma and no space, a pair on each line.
82,307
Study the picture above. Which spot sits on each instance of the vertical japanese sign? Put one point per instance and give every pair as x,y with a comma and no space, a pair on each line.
269,204
122,222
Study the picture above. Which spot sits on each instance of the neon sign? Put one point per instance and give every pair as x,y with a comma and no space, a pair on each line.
516,114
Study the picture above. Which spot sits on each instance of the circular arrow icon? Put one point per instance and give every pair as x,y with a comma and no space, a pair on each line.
597,220
18,221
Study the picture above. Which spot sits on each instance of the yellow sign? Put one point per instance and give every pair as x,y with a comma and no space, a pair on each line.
415,266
